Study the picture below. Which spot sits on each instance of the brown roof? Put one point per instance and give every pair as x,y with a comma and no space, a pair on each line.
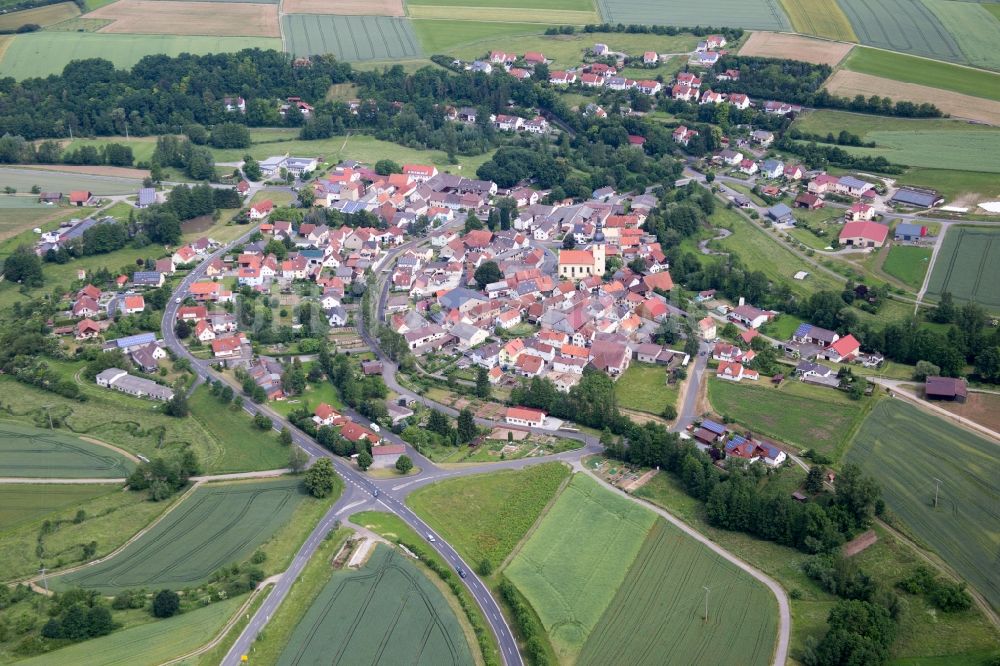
948,387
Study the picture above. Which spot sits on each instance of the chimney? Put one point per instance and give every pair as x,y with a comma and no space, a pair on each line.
742,301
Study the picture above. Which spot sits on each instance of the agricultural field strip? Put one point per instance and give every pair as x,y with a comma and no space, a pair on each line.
28,452
795,47
351,38
664,588
757,14
44,16
968,266
524,14
387,612
925,72
974,28
901,25
176,17
959,149
906,449
819,17
21,503
213,527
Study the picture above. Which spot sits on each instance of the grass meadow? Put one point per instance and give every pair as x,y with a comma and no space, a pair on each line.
147,644
906,449
820,18
643,387
219,524
908,263
386,612
968,265
23,502
259,449
48,454
485,516
573,564
956,186
906,68
756,14
662,601
803,415
44,53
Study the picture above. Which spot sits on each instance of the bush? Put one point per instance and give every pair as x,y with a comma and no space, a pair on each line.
166,603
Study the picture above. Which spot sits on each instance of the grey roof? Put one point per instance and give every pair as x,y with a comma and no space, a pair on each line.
133,340
854,183
779,211
919,198
773,165
456,297
147,196
146,277
77,230
908,230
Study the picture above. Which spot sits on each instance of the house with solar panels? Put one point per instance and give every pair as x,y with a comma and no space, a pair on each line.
753,450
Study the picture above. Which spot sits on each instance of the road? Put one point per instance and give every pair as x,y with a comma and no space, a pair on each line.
360,491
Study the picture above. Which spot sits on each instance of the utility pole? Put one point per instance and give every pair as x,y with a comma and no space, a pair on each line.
44,582
937,486
706,603
49,414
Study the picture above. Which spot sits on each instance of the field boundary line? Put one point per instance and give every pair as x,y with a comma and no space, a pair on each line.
131,456
58,481
219,637
538,521
31,581
780,651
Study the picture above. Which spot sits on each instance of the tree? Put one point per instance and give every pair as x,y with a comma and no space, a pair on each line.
472,223
24,266
251,169
177,405
487,273
925,369
403,464
297,460
261,421
482,383
182,329
166,603
230,135
569,242
814,480
466,426
320,478
285,437
386,167
364,461
945,311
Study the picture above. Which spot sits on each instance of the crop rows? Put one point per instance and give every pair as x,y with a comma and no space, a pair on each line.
968,266
757,14
906,450
216,526
388,613
27,452
351,38
901,25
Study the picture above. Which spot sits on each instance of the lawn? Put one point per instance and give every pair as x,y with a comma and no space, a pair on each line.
573,564
662,601
756,14
906,449
142,146
908,263
219,524
147,644
44,53
485,516
973,27
258,449
901,67
782,326
968,265
819,17
46,454
350,38
360,147
21,503
643,387
386,612
802,415
761,251
901,25
110,519
42,16
314,394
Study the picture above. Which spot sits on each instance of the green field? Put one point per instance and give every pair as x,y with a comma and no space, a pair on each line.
20,503
147,644
44,53
968,265
796,413
901,25
823,121
47,454
662,601
819,17
142,146
259,449
974,28
350,38
757,14
955,184
908,263
643,387
969,149
447,37
564,5
485,516
573,564
23,179
218,524
568,50
386,612
906,449
902,67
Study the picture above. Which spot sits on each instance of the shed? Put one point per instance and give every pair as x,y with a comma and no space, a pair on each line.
781,214
910,232
917,197
953,389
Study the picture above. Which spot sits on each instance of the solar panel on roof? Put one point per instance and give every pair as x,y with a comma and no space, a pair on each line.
138,339
712,426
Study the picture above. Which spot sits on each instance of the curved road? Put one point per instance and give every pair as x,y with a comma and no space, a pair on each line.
359,490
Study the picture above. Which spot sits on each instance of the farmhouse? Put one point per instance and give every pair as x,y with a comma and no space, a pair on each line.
386,455
843,350
864,234
750,316
525,416
945,388
120,380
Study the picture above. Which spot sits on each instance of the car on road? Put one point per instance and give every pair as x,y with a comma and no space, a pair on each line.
430,537
177,300
461,572
375,493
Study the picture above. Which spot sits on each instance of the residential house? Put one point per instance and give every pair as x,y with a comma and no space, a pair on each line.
525,416
859,212
707,328
843,350
864,234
